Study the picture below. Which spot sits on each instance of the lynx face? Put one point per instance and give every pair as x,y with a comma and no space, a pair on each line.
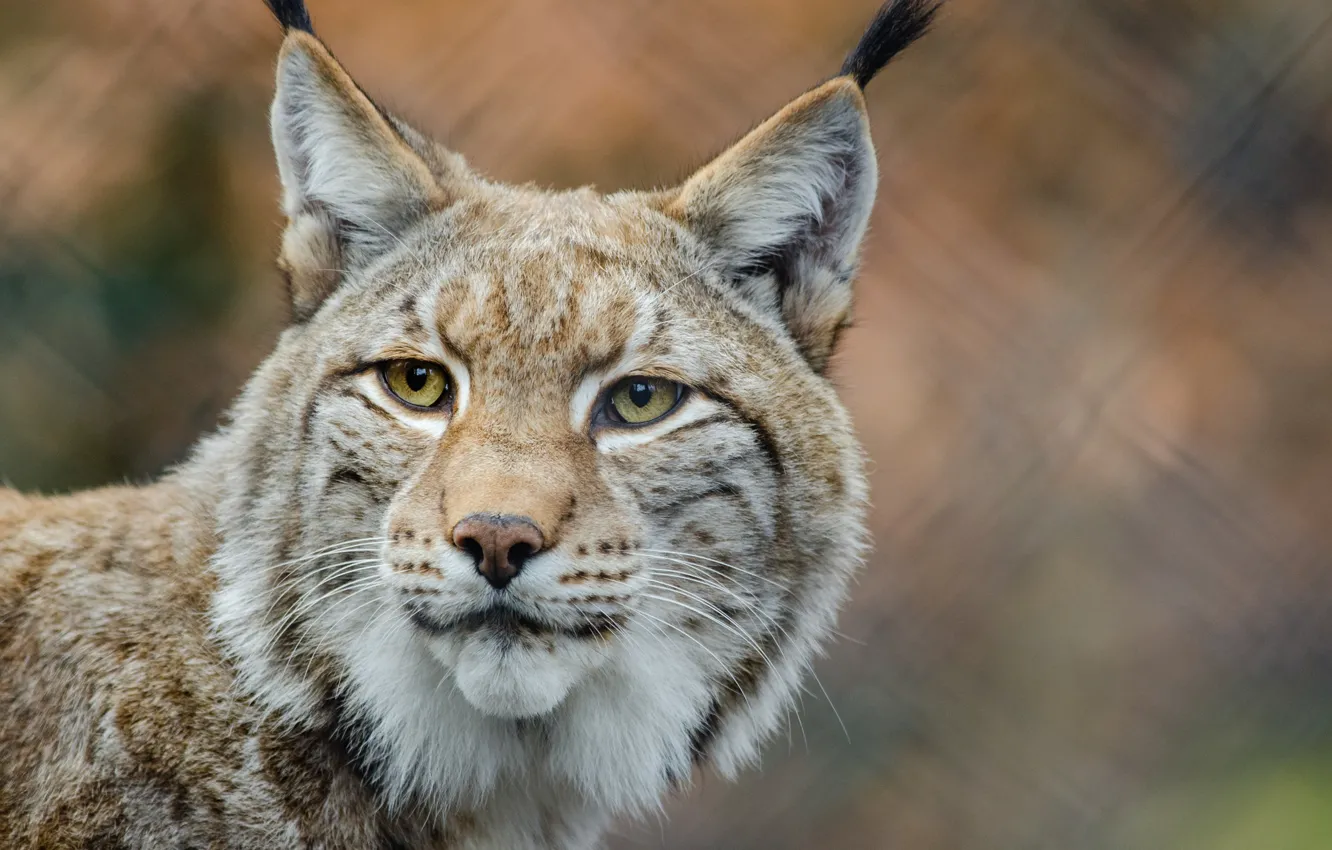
544,487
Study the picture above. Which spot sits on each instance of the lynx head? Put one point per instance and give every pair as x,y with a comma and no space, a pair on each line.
547,485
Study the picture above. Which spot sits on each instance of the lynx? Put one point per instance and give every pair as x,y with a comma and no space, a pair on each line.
542,503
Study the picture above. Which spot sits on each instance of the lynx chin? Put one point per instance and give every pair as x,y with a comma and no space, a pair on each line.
541,503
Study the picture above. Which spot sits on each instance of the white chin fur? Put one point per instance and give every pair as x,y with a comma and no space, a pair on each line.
504,678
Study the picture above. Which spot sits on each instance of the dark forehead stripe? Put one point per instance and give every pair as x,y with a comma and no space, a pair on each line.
603,361
412,327
531,318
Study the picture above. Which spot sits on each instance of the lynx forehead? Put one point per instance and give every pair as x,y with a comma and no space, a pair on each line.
542,501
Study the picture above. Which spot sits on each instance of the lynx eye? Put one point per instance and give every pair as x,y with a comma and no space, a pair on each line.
417,382
639,399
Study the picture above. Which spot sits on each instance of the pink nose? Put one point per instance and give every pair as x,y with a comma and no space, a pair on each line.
498,544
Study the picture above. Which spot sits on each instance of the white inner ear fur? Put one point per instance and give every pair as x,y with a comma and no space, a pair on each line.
793,197
335,151
809,173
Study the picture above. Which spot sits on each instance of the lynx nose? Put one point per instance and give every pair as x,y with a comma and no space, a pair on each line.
498,544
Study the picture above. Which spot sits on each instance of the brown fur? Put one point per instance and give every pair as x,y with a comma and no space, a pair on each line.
280,644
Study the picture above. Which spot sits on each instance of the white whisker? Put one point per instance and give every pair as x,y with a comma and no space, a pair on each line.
729,624
340,570
810,667
782,587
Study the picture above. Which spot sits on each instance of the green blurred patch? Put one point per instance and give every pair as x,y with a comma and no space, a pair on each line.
1283,804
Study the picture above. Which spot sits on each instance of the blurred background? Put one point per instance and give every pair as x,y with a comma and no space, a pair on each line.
1092,366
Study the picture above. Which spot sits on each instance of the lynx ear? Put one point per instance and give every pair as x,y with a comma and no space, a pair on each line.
351,183
785,208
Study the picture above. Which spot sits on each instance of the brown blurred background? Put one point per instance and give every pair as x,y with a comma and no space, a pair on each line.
1092,367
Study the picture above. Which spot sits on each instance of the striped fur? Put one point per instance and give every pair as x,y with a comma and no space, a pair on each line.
278,644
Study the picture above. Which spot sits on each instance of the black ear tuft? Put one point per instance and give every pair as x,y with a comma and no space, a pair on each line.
292,14
897,25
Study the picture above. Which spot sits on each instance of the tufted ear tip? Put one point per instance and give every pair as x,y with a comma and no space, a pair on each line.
898,24
292,15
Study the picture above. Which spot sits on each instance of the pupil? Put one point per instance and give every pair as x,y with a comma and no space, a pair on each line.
640,393
416,377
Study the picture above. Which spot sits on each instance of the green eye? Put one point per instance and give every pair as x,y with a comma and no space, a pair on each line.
638,400
417,382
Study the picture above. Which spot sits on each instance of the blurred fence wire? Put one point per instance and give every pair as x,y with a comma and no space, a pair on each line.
1092,366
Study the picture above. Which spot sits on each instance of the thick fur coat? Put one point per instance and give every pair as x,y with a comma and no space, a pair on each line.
292,640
